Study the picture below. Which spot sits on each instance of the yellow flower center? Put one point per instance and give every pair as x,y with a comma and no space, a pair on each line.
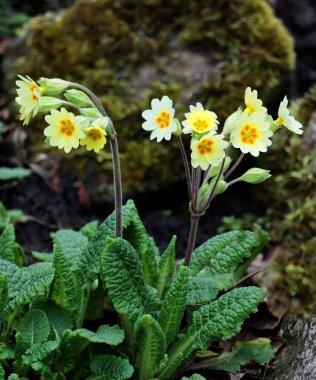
67,127
163,120
279,121
249,109
33,87
94,134
205,146
249,134
200,125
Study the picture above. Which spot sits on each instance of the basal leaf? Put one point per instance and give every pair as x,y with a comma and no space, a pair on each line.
124,280
194,377
35,355
111,335
25,285
167,266
6,352
174,363
60,319
259,350
219,247
150,345
110,367
65,289
1,372
90,229
220,319
13,173
7,242
173,306
3,293
34,327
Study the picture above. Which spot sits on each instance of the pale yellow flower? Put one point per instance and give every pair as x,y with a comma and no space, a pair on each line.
199,120
95,138
286,120
251,134
29,98
253,104
64,129
208,150
160,119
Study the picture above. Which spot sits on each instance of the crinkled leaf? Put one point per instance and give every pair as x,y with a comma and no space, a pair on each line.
194,377
90,229
65,289
110,367
174,362
43,256
60,319
13,173
150,345
35,355
166,266
7,242
3,293
124,280
112,335
25,285
6,352
220,319
234,243
259,350
34,327
173,306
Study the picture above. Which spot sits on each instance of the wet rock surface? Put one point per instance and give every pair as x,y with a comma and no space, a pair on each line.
297,360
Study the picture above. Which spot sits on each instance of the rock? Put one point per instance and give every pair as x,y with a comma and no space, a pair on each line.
297,361
129,52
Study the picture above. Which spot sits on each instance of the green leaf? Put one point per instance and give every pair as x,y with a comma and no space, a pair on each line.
110,367
234,244
135,233
111,335
36,356
43,256
13,173
173,306
124,280
7,242
194,377
34,327
95,307
150,345
9,216
3,293
259,350
6,352
173,363
65,289
26,284
1,372
59,318
167,266
90,229
220,319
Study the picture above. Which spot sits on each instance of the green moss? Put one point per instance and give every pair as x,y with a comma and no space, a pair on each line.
129,51
290,193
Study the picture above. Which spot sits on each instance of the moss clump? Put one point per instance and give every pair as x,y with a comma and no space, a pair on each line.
291,195
128,51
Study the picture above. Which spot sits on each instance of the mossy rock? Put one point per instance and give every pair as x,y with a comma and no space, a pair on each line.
129,51
291,196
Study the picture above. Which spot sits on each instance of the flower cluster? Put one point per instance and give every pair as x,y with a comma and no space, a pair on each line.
65,130
249,129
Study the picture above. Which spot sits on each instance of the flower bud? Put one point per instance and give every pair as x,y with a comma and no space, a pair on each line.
221,187
78,98
178,132
47,103
102,122
93,113
255,175
231,121
53,86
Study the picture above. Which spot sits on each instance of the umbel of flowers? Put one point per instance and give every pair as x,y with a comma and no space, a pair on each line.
249,129
88,125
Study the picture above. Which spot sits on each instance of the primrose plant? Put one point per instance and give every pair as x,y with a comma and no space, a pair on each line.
105,304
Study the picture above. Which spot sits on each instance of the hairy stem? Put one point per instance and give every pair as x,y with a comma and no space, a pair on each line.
115,158
234,167
186,167
117,186
195,218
